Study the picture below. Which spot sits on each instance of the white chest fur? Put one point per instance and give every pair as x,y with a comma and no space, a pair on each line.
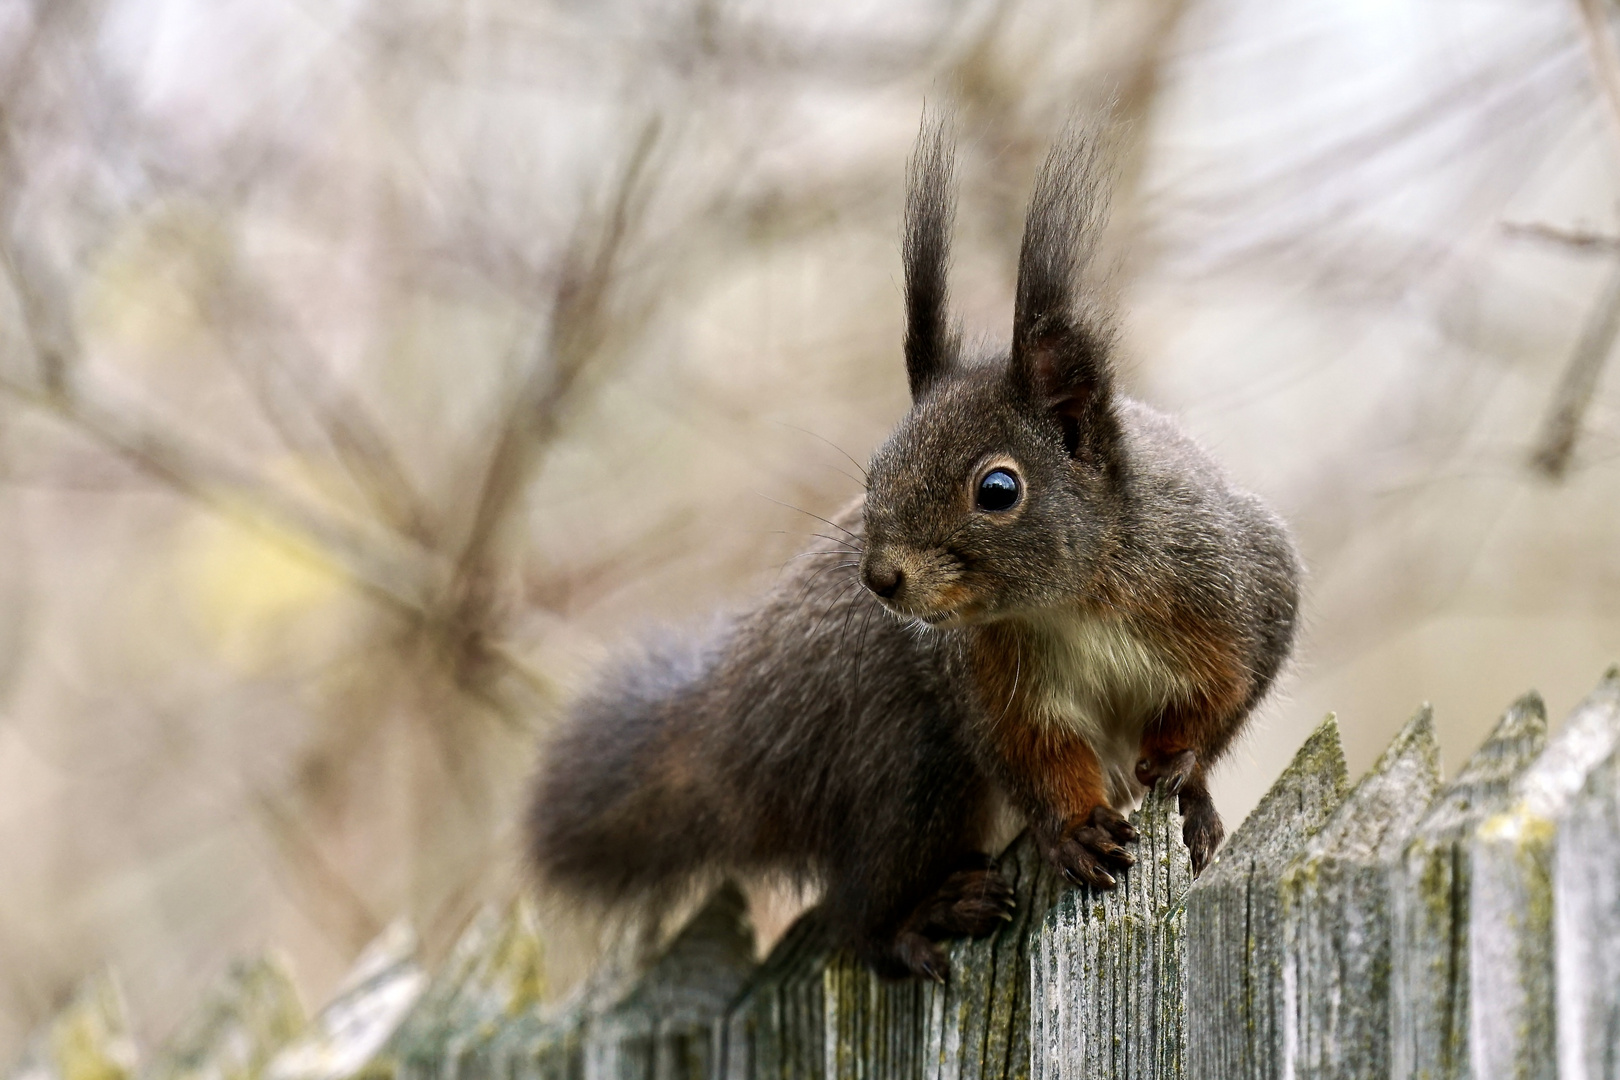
1105,683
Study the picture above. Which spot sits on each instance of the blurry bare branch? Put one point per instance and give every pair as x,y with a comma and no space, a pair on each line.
581,322
382,568
1583,240
296,392
1555,445
1605,60
330,896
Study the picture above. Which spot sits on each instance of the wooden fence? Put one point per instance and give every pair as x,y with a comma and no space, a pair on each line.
1405,927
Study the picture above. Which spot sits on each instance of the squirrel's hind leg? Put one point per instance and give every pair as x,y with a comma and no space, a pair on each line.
1166,756
971,902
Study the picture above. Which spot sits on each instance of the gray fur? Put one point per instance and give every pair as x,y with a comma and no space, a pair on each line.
843,740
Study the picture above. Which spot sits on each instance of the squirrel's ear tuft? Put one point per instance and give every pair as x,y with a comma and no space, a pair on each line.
926,249
1062,334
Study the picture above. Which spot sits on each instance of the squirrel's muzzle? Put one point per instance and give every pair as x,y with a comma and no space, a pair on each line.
883,577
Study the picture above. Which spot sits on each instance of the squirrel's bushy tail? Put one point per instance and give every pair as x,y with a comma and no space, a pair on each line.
623,806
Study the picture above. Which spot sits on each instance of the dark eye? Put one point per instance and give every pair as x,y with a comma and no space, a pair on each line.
998,490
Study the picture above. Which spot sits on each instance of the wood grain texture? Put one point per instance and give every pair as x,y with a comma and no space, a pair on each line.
1513,1019
1432,889
1336,915
1106,992
1234,978
1586,927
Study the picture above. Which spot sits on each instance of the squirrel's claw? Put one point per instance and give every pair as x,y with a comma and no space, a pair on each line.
1201,827
1174,770
1093,852
971,902
921,958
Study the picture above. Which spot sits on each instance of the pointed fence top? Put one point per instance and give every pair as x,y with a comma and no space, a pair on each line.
706,964
88,1040
1589,735
1374,821
1295,808
250,1014
375,997
1483,784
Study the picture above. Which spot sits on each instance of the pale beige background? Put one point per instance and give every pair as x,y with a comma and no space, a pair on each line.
372,367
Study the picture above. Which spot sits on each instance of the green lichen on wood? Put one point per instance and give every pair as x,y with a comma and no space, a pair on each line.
494,974
668,1024
348,1037
1586,881
1337,919
1106,993
1512,972
1432,890
775,1027
812,1013
87,1040
240,1025
1234,920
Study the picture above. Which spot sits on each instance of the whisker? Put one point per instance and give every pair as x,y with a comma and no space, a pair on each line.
842,472
819,554
797,532
843,640
803,594
832,606
1018,669
825,521
830,443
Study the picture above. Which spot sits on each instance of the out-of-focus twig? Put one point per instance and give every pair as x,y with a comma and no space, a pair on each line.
581,324
388,567
1568,239
1605,59
325,886
297,392
1555,445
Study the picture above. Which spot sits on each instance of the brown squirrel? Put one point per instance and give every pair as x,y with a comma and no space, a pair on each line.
1048,597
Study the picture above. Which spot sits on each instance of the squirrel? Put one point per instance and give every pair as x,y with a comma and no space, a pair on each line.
1048,597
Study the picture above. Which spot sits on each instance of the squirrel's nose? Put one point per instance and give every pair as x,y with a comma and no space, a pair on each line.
884,579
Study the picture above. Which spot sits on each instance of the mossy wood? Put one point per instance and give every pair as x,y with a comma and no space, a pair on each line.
1234,943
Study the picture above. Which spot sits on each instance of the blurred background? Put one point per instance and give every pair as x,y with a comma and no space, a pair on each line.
369,369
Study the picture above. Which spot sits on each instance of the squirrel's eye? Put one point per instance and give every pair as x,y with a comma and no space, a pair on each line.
998,490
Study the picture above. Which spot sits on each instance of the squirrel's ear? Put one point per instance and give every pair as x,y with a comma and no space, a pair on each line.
926,250
1061,334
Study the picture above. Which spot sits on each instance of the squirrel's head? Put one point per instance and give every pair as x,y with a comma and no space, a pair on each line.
995,493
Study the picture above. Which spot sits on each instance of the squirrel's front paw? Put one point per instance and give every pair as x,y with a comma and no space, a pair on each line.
1089,853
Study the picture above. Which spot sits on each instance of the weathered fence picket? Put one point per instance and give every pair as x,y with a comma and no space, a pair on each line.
494,975
811,1013
1402,928
1336,915
1234,935
346,1037
1512,966
1586,922
1429,982
236,1030
1107,999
